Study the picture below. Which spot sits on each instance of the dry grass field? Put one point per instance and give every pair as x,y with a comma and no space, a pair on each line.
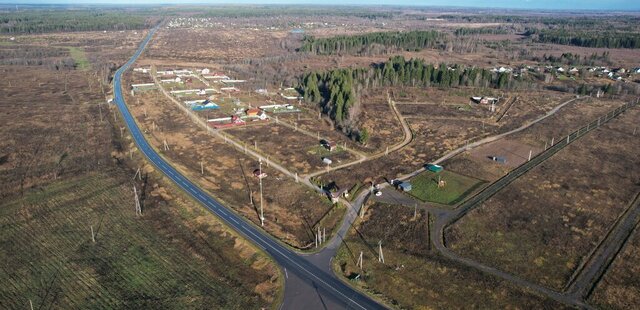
298,152
516,147
619,288
215,45
63,172
176,255
413,275
544,224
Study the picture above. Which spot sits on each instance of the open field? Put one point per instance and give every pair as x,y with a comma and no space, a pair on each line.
62,173
296,151
57,134
222,45
544,224
292,211
619,288
516,147
432,139
415,277
70,49
425,187
175,255
80,58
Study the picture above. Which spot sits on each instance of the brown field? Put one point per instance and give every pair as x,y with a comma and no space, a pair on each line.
516,147
515,152
413,275
49,132
619,288
207,45
544,224
62,171
295,150
292,211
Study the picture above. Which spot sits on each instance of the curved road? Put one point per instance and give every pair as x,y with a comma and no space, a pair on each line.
286,258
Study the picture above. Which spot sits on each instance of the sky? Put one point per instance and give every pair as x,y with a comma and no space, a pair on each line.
599,5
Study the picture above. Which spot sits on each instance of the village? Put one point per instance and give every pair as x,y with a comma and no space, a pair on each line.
282,128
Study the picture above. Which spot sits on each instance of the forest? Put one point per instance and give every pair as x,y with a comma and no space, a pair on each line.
373,43
336,91
479,31
41,21
586,39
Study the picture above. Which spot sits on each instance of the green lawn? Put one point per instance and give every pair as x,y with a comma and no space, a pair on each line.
425,187
78,55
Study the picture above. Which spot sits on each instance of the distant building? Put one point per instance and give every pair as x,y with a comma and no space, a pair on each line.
404,186
484,100
253,112
498,159
329,145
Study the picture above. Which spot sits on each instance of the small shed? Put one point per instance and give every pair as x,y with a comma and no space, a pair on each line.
405,186
498,159
434,168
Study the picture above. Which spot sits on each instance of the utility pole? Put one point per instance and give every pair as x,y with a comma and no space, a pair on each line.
93,236
552,141
201,168
530,153
261,210
324,234
380,255
359,263
137,200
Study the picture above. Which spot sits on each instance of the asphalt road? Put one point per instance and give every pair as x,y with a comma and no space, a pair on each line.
325,283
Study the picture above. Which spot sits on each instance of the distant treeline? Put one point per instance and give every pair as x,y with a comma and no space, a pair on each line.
285,10
574,59
39,21
336,91
567,22
586,39
376,42
481,30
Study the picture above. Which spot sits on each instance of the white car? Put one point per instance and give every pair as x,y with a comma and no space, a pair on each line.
378,193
